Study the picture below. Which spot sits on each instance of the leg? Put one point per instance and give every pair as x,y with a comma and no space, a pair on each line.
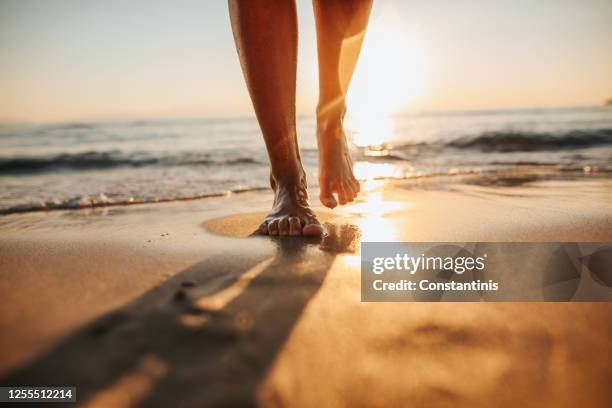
266,38
341,26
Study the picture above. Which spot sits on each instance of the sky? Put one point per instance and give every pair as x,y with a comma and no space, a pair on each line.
77,60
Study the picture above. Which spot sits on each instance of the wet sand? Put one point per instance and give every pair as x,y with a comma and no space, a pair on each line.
175,305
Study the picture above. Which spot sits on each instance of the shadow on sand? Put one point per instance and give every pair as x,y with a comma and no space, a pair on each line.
205,337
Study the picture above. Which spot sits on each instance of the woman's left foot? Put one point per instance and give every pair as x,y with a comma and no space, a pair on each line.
291,213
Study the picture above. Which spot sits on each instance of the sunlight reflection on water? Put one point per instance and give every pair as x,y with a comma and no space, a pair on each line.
371,171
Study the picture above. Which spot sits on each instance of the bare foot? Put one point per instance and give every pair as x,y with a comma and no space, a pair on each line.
291,213
335,165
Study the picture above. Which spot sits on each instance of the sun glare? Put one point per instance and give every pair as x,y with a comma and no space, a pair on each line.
388,78
371,129
365,170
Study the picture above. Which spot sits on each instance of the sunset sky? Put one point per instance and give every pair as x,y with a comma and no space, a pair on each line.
68,60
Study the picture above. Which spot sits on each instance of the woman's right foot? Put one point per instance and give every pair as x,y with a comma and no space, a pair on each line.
335,165
291,213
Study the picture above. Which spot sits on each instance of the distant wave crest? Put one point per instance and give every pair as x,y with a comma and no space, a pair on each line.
532,141
498,141
110,159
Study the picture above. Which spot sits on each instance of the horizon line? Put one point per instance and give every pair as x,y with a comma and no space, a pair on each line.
407,112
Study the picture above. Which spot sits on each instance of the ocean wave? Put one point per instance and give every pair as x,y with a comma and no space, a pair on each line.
110,159
533,141
102,200
498,141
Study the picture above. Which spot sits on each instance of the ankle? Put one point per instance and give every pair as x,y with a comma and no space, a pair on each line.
288,178
330,132
331,112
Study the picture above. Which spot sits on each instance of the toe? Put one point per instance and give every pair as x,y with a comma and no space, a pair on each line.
295,227
313,230
312,227
356,185
263,228
342,194
273,227
283,226
350,192
326,195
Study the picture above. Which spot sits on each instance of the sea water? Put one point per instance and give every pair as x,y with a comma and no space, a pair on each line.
73,165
